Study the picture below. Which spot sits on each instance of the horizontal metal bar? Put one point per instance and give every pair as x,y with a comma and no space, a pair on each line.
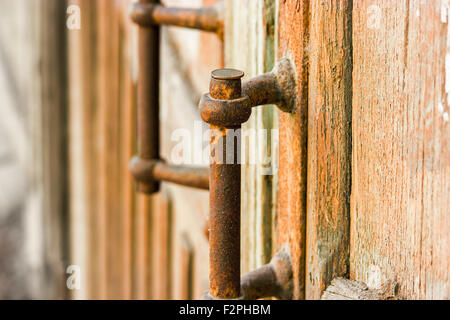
275,87
158,170
183,175
207,19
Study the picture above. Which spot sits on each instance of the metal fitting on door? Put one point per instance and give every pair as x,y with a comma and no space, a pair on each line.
275,87
148,168
225,186
206,19
225,108
148,98
271,280
154,171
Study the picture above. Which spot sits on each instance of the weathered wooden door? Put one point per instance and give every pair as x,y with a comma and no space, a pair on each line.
371,170
364,163
359,178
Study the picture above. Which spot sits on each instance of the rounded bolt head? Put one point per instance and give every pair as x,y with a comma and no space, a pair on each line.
227,74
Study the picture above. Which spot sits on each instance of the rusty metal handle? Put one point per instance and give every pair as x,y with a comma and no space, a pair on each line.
225,108
206,19
148,168
157,170
225,187
148,98
276,87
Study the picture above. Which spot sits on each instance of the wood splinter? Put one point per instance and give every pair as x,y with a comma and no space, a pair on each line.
345,289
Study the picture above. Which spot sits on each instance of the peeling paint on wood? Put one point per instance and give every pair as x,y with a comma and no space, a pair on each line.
401,161
294,37
329,144
252,49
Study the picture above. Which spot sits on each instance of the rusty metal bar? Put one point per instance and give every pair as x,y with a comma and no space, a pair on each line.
225,108
151,171
275,87
148,97
182,175
225,189
207,19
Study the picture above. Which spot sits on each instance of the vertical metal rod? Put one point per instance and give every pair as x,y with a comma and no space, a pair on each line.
148,98
225,189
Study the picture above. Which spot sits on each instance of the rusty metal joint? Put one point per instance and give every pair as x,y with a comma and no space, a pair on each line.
276,87
227,106
208,19
225,113
151,171
273,280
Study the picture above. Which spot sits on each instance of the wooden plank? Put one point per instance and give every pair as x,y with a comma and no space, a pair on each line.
128,126
186,253
103,126
162,248
291,226
85,247
329,144
108,141
142,263
401,160
252,50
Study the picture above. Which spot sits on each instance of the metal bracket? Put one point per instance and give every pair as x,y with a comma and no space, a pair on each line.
152,171
271,280
225,108
208,19
227,105
147,168
275,87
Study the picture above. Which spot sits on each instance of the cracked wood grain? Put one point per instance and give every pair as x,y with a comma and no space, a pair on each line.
329,144
401,160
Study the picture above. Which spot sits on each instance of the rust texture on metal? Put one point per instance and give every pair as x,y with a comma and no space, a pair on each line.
271,280
275,87
225,113
227,106
151,171
225,200
148,97
206,19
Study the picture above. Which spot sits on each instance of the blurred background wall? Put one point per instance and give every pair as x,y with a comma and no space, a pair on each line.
129,245
33,162
67,131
